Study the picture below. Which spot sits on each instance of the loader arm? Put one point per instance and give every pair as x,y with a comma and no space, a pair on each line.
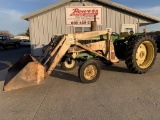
66,42
63,47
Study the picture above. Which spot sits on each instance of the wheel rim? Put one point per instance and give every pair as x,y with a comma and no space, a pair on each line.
70,64
145,54
90,72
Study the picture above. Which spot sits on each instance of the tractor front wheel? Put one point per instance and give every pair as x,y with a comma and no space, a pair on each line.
89,71
141,54
68,64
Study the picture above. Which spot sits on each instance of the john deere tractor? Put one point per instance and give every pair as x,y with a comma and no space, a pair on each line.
138,52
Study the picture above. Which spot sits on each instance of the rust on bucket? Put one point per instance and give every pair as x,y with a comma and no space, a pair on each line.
26,72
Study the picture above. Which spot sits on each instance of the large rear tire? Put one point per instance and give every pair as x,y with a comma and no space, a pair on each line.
89,71
141,54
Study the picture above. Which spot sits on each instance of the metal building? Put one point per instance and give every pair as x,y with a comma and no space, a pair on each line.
51,20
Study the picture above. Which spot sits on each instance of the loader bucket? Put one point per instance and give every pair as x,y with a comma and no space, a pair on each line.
28,71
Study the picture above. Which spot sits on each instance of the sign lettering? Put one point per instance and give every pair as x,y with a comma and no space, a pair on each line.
83,15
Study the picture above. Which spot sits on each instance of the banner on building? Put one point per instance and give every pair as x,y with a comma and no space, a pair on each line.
83,15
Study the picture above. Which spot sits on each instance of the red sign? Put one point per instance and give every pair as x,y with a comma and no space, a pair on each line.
83,15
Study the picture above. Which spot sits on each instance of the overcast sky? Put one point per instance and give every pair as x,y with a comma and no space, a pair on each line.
12,10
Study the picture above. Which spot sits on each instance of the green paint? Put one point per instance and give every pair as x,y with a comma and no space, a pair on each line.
85,55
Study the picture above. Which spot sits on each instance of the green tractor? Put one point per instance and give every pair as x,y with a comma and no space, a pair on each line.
137,50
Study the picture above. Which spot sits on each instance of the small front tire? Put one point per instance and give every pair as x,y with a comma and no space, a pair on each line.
68,64
89,71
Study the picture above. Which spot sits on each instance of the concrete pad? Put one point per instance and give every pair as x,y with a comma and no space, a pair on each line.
117,95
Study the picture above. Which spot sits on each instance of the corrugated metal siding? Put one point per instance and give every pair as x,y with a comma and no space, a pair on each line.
44,26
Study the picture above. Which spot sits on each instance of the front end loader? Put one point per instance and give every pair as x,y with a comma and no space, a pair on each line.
29,71
139,53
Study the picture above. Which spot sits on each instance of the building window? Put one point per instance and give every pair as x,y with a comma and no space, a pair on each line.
82,29
78,29
129,27
87,29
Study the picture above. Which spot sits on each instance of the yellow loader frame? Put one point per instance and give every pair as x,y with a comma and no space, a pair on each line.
29,71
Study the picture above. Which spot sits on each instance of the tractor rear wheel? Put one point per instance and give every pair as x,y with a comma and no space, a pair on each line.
89,71
141,54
